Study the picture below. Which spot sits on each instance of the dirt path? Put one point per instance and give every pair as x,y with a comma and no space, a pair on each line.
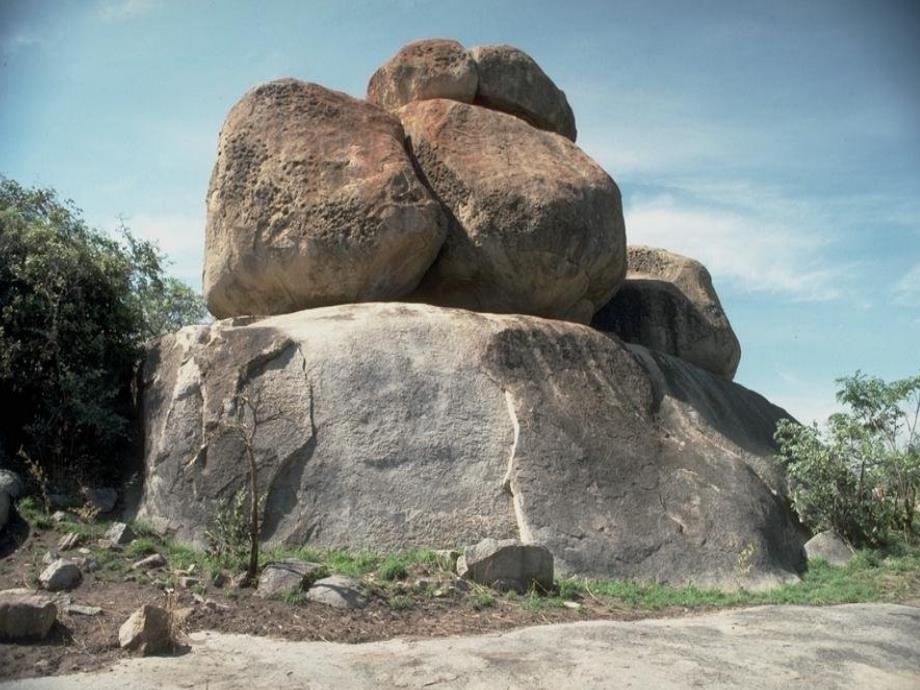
851,646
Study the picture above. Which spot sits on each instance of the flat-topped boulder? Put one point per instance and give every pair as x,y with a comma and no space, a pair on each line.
397,425
668,303
537,226
433,68
313,201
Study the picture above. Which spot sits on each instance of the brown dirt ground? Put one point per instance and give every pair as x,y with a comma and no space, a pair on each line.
83,643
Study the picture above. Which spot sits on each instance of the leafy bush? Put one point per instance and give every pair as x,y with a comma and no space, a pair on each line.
75,307
228,542
860,474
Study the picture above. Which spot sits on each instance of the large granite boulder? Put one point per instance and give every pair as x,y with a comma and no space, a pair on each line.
510,80
396,425
313,201
668,304
433,68
537,225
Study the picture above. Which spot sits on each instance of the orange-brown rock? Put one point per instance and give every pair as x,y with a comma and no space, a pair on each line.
433,68
313,201
537,225
510,80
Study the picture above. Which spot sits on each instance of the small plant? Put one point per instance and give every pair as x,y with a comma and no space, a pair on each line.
400,602
228,541
39,478
480,598
745,562
142,546
87,513
392,568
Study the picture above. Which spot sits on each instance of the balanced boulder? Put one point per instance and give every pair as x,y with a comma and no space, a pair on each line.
313,201
510,80
537,226
397,425
433,68
668,304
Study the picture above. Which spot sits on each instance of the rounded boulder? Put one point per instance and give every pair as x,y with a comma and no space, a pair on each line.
537,226
313,201
433,68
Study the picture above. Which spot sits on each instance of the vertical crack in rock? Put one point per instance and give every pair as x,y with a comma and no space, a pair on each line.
525,534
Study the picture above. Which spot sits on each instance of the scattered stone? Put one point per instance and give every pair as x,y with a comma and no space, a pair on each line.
11,483
507,565
147,631
286,577
338,591
102,499
240,581
50,556
59,516
572,605
60,575
828,546
81,610
87,564
433,68
668,304
70,541
510,80
119,534
538,226
25,615
187,582
314,201
153,561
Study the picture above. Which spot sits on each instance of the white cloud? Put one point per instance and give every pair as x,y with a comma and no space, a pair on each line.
117,10
753,250
907,289
19,41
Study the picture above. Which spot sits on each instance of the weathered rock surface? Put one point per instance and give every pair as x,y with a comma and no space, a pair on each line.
4,508
147,631
668,304
11,483
285,577
154,560
119,534
537,225
338,591
433,68
507,565
510,80
313,201
828,546
411,425
25,615
62,574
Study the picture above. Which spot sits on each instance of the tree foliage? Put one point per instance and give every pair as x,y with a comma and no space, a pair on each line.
76,306
860,473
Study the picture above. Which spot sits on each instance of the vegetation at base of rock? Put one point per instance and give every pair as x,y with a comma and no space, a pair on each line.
860,474
75,307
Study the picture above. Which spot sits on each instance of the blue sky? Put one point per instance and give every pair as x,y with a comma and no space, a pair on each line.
778,142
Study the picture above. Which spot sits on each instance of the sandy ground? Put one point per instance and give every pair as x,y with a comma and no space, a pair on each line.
850,646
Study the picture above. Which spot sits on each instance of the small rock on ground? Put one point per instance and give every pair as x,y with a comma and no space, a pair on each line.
146,631
828,546
61,574
285,577
154,561
119,534
25,615
339,591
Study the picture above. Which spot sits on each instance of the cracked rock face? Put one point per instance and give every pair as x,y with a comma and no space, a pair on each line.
668,304
396,425
537,226
313,201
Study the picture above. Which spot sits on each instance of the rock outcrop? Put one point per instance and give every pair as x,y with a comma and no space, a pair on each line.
393,425
510,80
668,304
537,226
433,68
313,201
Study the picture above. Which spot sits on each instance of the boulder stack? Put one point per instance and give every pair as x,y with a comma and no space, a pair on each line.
472,400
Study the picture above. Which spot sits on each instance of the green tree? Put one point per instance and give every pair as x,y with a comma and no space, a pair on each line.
860,473
76,306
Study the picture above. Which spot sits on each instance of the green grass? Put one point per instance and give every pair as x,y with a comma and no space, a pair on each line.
400,602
